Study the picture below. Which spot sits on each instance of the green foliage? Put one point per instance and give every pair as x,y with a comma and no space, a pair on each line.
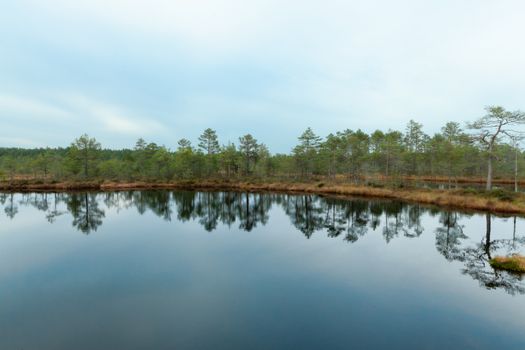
249,150
208,142
209,145
112,169
350,154
502,195
306,152
83,155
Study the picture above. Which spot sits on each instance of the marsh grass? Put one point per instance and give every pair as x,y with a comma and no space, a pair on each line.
513,263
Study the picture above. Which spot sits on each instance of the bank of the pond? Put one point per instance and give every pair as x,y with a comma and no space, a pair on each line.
495,201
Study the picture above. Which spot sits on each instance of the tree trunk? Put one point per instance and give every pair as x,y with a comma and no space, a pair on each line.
387,163
516,171
487,235
489,173
514,233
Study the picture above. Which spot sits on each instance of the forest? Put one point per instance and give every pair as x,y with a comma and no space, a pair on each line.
484,149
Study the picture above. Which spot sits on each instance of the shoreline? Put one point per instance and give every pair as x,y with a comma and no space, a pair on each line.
503,203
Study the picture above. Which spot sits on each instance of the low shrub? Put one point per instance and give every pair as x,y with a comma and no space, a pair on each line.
502,195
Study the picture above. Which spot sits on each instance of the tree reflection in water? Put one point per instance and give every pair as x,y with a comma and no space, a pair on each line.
87,216
10,207
477,264
449,236
349,219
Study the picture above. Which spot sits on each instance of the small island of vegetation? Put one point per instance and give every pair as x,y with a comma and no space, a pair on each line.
453,167
513,263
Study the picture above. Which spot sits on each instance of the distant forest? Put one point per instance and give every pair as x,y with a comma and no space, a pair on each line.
353,155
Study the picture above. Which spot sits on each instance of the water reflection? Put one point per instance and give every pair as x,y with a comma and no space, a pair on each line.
477,259
338,218
86,214
449,236
10,208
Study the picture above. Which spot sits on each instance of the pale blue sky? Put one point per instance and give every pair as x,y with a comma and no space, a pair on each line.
162,70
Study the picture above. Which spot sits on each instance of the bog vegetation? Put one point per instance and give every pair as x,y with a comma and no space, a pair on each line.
514,263
486,148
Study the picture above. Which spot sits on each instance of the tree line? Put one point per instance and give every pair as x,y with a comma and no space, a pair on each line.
488,147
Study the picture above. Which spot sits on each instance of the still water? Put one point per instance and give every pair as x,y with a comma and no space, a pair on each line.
190,270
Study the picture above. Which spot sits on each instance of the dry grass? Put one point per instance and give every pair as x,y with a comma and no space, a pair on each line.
459,179
513,263
426,178
37,186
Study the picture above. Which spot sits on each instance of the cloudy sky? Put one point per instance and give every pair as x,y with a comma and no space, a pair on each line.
163,70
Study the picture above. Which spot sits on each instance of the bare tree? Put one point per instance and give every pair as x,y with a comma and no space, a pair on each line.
491,128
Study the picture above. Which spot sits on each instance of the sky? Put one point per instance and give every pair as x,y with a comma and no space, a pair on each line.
163,70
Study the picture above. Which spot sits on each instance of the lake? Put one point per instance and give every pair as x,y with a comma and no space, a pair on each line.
217,270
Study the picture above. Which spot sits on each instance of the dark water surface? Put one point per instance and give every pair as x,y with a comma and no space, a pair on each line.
186,270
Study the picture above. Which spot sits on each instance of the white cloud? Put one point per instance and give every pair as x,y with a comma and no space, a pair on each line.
404,42
66,115
203,25
16,106
330,64
77,107
116,122
111,118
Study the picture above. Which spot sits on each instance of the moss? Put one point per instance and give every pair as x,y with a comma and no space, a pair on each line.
497,193
469,191
513,263
502,195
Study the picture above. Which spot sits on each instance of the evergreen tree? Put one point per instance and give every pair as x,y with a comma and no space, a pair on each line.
306,151
83,154
209,142
248,148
